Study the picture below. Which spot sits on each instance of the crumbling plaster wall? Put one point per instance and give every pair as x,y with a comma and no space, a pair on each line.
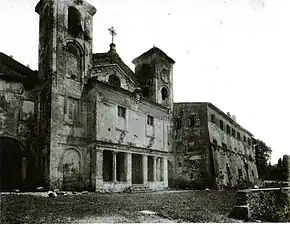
17,111
132,130
191,146
237,154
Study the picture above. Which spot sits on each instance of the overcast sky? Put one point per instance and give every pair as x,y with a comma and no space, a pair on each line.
232,53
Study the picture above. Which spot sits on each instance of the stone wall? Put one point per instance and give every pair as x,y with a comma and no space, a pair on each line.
190,145
210,155
17,107
18,117
266,204
233,154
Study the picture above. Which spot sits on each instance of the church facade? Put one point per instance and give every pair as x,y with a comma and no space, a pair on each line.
86,121
94,123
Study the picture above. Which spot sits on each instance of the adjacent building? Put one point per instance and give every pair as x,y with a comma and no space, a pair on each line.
210,148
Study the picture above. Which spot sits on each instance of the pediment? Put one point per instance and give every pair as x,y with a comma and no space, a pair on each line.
103,73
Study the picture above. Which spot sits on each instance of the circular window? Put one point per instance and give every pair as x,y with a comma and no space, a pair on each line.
164,93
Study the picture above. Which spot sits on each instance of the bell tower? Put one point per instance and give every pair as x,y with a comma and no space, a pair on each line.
65,58
65,39
155,72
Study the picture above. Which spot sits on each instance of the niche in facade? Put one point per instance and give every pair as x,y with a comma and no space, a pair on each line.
164,94
73,62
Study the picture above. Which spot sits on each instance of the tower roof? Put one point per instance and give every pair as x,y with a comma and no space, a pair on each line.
151,52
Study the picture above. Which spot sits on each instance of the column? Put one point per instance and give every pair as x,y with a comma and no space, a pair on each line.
99,169
158,169
128,162
154,168
114,166
145,168
165,171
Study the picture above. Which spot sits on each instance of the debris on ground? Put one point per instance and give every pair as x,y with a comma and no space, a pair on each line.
147,212
39,189
61,193
52,194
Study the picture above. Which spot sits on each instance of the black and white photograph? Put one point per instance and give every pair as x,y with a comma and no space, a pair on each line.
144,111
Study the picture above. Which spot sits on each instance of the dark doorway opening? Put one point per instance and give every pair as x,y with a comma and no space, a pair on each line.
108,166
13,165
170,174
121,170
137,175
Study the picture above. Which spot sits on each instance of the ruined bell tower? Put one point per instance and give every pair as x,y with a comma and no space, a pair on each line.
65,56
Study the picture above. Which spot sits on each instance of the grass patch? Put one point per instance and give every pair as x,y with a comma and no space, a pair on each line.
192,206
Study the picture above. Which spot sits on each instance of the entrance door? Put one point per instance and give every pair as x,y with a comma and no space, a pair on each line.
137,175
11,164
71,170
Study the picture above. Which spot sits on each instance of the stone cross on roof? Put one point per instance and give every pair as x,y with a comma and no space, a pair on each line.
113,33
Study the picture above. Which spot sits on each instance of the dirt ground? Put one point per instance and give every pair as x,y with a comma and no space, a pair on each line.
156,207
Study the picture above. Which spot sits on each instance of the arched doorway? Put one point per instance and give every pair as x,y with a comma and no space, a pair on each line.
13,164
71,170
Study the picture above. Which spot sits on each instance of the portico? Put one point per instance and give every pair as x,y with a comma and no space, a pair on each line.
116,170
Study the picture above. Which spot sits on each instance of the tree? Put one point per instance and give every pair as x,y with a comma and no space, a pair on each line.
286,167
262,156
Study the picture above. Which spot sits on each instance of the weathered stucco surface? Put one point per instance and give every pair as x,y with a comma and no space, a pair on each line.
205,154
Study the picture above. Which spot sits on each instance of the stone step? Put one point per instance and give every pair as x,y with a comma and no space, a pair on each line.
138,185
145,190
140,188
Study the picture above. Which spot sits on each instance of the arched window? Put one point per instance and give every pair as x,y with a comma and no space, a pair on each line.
164,93
114,80
145,92
73,62
74,22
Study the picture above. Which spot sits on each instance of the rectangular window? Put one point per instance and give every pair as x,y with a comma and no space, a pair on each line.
121,111
192,121
150,120
224,146
245,139
178,123
73,109
212,118
228,129
233,132
221,125
238,135
249,141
